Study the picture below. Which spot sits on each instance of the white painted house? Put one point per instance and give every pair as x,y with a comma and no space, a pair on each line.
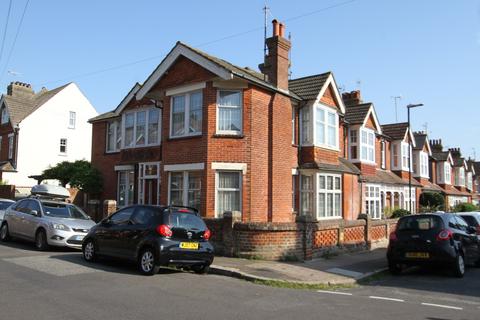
38,130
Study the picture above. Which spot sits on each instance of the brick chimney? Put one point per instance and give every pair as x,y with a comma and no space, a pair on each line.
436,145
352,98
20,90
455,152
277,62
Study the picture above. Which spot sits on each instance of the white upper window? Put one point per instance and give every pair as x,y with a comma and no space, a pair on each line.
229,112
353,144
469,180
114,136
405,155
140,128
72,119
10,146
424,165
367,143
400,156
326,127
383,150
448,174
4,117
186,115
306,128
460,176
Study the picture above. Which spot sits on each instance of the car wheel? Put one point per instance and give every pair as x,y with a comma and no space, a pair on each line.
147,262
459,267
394,267
203,269
41,240
4,234
89,253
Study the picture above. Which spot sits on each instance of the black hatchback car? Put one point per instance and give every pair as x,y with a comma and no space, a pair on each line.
433,239
152,236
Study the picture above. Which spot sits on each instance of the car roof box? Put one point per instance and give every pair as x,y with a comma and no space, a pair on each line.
48,190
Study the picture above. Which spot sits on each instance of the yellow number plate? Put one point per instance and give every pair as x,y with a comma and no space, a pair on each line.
422,255
189,245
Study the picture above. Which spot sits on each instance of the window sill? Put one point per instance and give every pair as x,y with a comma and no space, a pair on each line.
228,135
62,154
184,137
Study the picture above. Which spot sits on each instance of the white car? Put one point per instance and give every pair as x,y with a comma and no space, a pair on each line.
4,204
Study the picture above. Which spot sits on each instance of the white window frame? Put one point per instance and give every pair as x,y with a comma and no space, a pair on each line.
293,126
186,119
64,145
460,176
309,191
147,116
10,146
326,192
142,176
306,127
396,154
129,183
185,189
423,165
405,155
326,125
72,119
373,201
5,117
229,132
383,150
219,214
353,142
116,124
370,148
447,170
469,181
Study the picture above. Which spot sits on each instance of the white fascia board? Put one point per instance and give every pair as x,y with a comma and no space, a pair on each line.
127,99
427,142
331,80
185,88
412,138
371,111
124,167
184,167
450,159
170,59
230,166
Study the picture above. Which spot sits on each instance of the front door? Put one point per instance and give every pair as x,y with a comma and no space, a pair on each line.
150,191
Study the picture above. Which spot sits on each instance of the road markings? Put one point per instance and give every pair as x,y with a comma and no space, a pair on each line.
335,292
386,298
441,306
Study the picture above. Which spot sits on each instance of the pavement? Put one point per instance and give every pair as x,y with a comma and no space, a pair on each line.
342,269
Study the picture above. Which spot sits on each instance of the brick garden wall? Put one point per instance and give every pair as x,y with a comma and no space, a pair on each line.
299,241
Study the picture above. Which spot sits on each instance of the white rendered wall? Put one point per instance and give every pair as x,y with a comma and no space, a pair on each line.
40,134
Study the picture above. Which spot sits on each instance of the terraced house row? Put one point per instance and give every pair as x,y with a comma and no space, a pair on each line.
264,148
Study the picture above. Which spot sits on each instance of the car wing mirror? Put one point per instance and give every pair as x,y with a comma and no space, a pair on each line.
471,230
34,213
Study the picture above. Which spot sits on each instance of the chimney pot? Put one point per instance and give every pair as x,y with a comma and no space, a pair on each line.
282,30
276,28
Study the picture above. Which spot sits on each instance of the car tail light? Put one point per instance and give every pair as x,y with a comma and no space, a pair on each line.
478,230
164,230
183,210
393,236
444,235
207,234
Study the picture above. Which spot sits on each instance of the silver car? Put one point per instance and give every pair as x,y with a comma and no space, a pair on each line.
46,222
4,204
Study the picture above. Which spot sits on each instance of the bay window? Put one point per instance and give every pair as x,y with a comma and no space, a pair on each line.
372,201
140,129
367,143
405,156
4,115
329,195
114,136
353,144
10,146
186,114
448,173
229,112
306,126
395,156
306,194
228,191
185,188
384,154
469,181
460,176
326,127
400,156
424,164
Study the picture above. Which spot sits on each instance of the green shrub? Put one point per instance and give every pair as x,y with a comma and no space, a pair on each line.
398,213
465,207
431,202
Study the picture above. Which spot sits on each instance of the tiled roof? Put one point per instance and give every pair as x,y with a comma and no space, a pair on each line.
476,166
458,162
343,166
246,73
309,87
356,114
396,131
387,177
440,155
103,116
420,139
432,187
20,107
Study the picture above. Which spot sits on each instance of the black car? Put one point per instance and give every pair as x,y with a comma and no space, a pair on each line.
152,236
472,219
433,239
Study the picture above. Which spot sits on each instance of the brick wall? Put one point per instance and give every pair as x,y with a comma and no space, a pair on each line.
302,241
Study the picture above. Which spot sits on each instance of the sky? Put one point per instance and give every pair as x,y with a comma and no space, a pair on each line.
424,51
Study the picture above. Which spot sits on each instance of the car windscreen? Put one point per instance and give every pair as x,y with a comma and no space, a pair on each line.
470,220
4,205
185,221
60,210
420,223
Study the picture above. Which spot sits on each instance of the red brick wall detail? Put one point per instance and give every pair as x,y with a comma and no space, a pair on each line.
378,232
354,234
325,238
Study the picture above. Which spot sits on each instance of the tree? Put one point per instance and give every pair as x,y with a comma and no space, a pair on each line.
432,201
79,174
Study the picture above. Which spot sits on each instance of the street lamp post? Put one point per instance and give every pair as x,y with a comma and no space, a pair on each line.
410,155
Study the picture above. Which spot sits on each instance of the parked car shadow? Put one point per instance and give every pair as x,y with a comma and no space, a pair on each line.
107,264
431,279
29,246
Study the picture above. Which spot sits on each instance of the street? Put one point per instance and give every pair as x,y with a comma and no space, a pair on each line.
58,284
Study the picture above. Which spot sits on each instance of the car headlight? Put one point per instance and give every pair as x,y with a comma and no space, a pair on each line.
60,226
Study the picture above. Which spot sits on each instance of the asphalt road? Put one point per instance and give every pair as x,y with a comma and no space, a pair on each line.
59,285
